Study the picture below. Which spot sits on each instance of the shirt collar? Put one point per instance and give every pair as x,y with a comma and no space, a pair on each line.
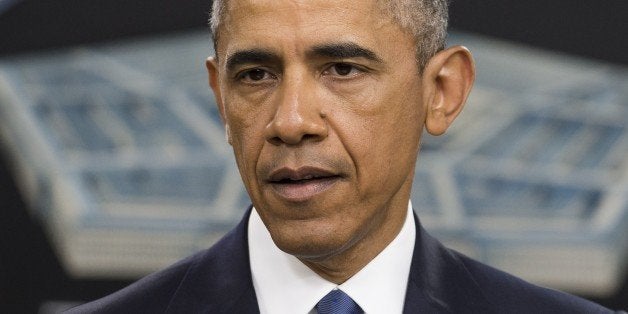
285,285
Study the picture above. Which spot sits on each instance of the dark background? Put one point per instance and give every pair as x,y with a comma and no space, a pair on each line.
591,28
30,273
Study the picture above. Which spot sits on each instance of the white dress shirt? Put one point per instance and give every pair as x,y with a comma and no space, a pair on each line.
285,285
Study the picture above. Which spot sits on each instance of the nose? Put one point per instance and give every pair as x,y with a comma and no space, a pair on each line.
298,114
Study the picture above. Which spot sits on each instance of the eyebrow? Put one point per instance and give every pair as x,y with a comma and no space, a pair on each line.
343,50
335,50
250,56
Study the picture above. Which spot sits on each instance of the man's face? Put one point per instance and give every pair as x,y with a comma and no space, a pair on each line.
322,100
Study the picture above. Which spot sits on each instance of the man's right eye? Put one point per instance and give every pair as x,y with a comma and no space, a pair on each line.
254,75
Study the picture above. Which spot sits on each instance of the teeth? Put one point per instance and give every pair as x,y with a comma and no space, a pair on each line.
308,177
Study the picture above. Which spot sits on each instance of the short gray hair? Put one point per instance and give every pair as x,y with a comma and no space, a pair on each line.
426,20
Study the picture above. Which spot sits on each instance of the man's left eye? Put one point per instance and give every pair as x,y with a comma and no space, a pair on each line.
343,69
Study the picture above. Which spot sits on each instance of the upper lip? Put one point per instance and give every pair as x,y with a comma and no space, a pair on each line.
302,173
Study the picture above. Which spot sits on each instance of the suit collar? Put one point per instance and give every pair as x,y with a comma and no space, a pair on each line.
439,282
220,280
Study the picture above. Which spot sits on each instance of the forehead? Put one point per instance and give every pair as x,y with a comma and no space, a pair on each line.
302,23
286,11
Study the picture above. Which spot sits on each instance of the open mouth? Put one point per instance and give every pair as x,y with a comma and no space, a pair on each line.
303,183
304,180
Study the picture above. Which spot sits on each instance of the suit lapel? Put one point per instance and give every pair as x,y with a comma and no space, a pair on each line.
219,281
439,281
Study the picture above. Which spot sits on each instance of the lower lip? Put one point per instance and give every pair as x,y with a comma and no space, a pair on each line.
303,191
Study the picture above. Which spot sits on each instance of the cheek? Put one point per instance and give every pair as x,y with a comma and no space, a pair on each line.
246,140
382,134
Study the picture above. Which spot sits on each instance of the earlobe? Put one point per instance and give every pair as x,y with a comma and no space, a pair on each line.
447,81
227,133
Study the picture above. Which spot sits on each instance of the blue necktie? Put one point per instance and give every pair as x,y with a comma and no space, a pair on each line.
337,302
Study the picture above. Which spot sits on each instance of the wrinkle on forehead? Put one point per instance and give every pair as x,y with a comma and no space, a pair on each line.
299,14
379,7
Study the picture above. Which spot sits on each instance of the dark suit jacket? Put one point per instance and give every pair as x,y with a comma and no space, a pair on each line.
218,280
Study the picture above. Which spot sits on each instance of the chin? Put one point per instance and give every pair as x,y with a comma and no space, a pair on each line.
310,243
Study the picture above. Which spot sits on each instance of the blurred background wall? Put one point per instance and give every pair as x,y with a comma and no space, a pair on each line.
31,271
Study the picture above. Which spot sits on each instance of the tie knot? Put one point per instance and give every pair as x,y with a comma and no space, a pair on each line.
337,302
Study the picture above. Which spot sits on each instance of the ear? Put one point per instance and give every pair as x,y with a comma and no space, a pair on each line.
447,81
212,70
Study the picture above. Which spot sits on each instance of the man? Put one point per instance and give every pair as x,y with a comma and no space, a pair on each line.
324,103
